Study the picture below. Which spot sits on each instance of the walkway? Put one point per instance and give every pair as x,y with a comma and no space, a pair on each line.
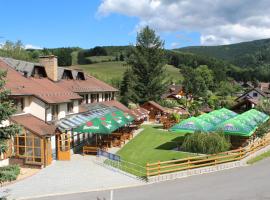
78,175
247,183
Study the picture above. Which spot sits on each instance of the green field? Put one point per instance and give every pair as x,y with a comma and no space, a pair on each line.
152,145
107,71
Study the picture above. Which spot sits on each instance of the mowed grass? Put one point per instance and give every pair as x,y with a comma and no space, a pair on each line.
259,158
152,145
107,71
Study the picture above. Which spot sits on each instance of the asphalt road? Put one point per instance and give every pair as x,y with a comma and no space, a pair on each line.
245,183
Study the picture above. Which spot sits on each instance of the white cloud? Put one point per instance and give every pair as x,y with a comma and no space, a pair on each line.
218,21
30,46
175,45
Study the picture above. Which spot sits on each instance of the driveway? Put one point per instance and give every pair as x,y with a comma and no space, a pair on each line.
78,175
244,183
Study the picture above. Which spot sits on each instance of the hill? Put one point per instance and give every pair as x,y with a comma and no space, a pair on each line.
253,53
112,72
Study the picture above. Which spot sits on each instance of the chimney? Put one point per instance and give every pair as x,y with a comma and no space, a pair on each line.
51,64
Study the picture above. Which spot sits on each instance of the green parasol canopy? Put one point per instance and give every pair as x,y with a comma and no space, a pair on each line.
96,126
246,121
212,119
262,117
236,127
191,125
224,114
116,120
123,116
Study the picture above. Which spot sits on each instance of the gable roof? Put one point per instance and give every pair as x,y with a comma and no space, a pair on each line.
34,124
156,105
255,89
172,91
42,88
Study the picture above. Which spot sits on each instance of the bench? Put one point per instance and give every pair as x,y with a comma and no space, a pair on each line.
90,150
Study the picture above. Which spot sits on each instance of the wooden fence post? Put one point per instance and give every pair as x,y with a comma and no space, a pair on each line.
147,170
158,167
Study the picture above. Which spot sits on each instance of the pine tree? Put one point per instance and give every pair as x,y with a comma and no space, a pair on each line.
6,110
148,66
126,87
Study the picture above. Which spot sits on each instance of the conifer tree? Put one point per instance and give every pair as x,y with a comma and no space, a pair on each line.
147,63
126,88
6,110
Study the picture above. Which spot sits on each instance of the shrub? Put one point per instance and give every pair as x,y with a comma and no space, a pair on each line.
263,129
205,143
9,173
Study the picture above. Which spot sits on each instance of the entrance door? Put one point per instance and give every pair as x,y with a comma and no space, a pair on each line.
63,146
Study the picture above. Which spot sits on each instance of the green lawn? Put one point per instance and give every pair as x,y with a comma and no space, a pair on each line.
107,71
259,158
152,145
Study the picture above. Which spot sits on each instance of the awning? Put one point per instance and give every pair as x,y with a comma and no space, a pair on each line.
74,121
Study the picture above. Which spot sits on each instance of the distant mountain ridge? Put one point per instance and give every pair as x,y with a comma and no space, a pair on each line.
253,53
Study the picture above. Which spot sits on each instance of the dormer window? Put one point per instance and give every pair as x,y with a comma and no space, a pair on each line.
67,74
39,72
80,76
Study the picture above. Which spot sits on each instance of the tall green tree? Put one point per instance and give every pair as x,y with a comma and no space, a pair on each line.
6,110
147,63
126,88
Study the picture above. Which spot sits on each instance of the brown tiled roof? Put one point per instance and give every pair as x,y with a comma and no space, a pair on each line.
34,124
173,90
156,105
42,88
117,104
91,84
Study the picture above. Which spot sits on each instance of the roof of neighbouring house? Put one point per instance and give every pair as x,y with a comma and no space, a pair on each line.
156,105
172,91
256,89
34,124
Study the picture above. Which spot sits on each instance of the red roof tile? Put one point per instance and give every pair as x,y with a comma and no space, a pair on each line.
42,88
34,124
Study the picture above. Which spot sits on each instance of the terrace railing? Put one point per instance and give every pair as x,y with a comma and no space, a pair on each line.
159,168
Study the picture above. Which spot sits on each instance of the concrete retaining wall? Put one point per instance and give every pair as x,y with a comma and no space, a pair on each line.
192,172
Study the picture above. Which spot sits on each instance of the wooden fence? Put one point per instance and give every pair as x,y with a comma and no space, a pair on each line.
158,168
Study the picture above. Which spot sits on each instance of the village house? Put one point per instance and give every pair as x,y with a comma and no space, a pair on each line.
251,98
174,92
45,96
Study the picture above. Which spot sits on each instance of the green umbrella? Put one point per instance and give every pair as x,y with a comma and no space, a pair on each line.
261,115
256,115
252,118
245,120
212,119
191,125
94,126
109,123
123,116
235,127
115,120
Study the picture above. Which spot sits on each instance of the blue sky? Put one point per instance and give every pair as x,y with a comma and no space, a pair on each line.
48,23
88,23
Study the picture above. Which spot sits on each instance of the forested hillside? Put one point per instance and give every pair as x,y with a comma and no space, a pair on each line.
245,54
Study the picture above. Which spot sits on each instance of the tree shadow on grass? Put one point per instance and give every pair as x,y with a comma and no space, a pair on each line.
174,143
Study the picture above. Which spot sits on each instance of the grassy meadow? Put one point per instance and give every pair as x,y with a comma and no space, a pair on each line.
114,70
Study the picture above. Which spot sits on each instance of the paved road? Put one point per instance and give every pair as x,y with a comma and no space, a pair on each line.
245,183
